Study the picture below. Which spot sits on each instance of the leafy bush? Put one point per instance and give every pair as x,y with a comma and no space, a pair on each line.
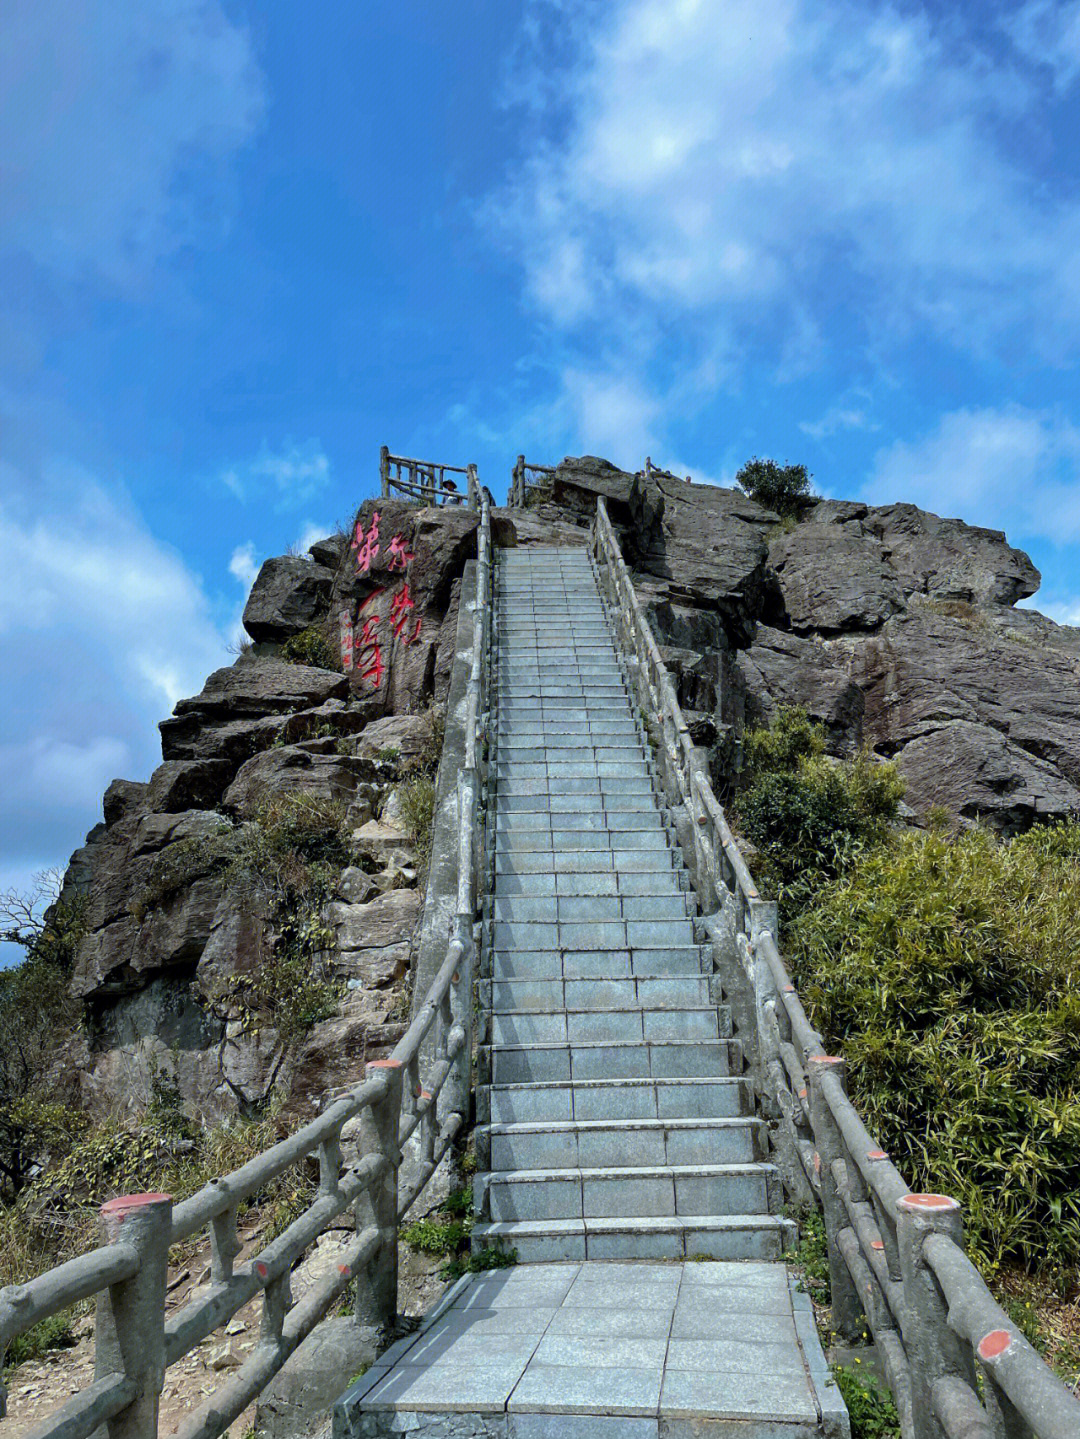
870,1407
783,488
948,967
55,1332
417,796
807,814
317,645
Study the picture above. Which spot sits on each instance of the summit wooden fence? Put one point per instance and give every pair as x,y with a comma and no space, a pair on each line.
425,480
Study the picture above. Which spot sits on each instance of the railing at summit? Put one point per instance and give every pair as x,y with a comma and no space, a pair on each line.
426,481
525,478
957,1366
135,1342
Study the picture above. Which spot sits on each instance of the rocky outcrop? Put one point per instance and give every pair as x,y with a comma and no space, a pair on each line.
288,595
892,626
169,947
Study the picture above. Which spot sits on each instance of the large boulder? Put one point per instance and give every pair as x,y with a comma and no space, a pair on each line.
786,669
975,772
400,587
288,595
179,785
833,579
292,769
701,546
240,709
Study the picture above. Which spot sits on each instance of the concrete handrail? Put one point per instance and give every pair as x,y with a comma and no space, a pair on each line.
896,1259
135,1343
423,480
525,477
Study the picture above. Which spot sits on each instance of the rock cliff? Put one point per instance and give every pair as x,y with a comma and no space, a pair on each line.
893,627
336,701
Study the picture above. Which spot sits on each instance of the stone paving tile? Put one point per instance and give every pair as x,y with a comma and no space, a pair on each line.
735,1356
615,1323
594,1352
702,1321
558,1389
480,1389
737,1396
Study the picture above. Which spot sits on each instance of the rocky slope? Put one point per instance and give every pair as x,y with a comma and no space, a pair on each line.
892,626
169,945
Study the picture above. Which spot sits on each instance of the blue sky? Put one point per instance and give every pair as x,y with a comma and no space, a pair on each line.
243,246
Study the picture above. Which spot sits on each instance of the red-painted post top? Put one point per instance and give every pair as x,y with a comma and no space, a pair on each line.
125,1202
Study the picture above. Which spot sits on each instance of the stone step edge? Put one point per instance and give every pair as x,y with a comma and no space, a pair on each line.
618,1126
617,1174
608,1084
644,1224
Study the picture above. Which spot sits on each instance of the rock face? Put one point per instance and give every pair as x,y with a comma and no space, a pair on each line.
167,941
892,626
288,595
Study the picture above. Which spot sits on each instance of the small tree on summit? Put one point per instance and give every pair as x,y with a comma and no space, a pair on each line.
783,488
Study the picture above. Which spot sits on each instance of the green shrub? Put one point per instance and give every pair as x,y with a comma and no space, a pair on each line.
417,796
317,645
870,1407
55,1332
807,814
948,967
783,488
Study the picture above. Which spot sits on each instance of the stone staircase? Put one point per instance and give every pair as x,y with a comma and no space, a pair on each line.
619,1133
618,1125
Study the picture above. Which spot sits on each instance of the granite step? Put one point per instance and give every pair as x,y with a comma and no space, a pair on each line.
628,1192
613,1060
633,1099
628,1143
733,1237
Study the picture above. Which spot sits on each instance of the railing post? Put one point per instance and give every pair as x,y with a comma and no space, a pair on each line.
473,487
519,481
384,470
130,1322
933,1350
377,1280
458,1081
847,1315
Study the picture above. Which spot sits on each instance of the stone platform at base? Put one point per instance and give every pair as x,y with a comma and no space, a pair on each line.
606,1351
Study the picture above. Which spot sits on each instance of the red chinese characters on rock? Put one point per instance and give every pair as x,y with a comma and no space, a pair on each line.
366,546
371,664
399,555
346,641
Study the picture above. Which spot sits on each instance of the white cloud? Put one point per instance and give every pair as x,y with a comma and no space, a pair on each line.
310,533
763,162
1047,32
242,565
50,772
103,629
835,419
296,472
1063,612
91,574
117,123
1013,468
